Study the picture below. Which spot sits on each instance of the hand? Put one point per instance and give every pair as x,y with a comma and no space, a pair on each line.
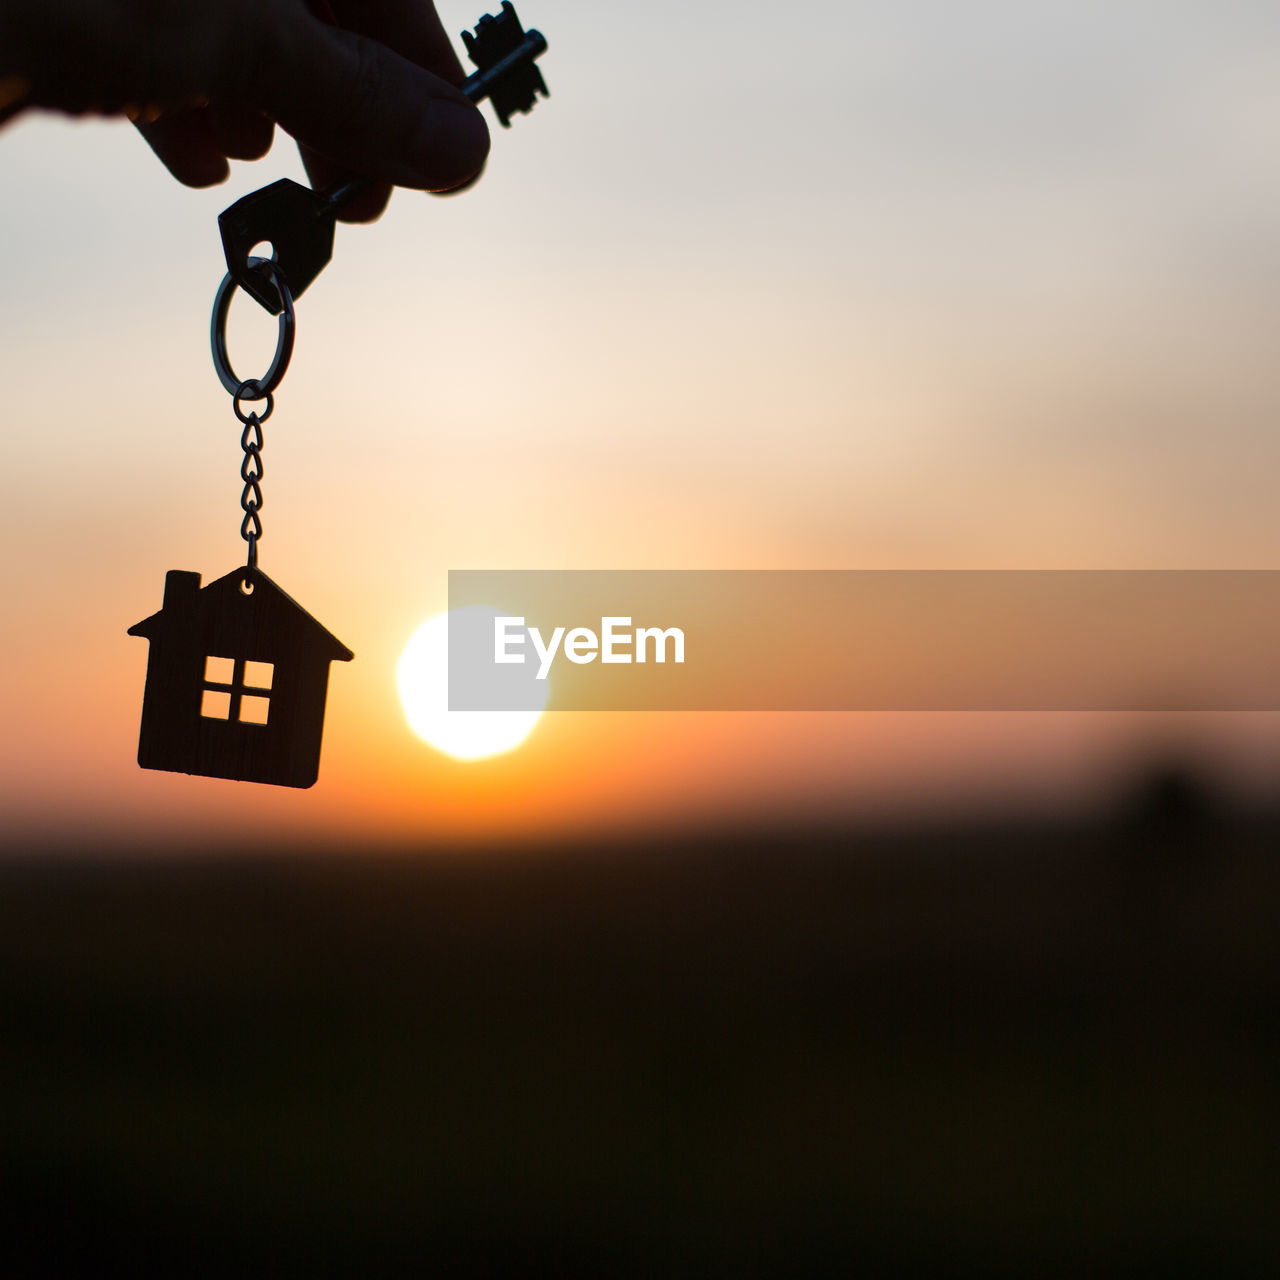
366,88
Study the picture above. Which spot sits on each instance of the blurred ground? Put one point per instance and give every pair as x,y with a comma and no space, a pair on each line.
1046,1051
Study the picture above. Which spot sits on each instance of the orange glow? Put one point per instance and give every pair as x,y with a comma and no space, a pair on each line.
949,304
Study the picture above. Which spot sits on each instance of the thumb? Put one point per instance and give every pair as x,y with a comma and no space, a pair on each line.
369,110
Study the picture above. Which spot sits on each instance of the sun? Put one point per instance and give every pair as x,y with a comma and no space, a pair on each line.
422,675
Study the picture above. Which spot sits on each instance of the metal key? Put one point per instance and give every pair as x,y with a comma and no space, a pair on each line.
299,221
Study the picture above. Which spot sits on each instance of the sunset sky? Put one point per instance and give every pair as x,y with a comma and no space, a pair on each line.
919,285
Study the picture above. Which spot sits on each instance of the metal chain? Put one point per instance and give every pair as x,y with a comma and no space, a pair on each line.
251,468
257,390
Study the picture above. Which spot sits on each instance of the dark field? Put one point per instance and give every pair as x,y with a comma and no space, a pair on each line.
1024,1052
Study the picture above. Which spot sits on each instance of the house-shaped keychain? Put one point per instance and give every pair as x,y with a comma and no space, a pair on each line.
238,672
237,677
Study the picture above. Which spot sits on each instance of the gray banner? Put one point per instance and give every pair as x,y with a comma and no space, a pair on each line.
1070,640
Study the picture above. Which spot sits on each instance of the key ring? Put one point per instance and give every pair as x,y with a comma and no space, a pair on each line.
284,335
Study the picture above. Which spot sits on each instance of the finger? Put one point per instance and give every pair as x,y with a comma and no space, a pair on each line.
371,111
242,133
411,27
414,29
184,141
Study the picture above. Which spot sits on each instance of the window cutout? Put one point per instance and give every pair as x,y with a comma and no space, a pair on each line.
216,705
254,710
257,675
219,671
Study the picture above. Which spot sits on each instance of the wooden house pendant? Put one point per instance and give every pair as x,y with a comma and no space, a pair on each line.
237,677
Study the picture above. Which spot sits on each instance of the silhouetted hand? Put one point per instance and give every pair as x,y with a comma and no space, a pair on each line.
366,87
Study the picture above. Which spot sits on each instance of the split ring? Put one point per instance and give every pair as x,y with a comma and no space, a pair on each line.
265,385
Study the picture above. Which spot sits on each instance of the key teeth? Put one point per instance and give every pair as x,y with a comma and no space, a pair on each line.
519,98
494,37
